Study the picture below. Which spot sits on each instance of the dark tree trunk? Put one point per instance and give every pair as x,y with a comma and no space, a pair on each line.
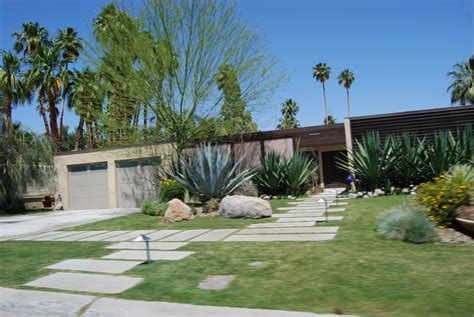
79,133
53,122
42,112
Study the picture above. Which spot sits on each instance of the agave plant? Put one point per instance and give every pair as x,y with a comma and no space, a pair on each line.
299,170
408,169
211,173
372,161
279,176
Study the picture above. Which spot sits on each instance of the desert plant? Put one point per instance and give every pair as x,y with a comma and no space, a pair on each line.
404,224
299,170
211,173
408,169
280,176
270,178
154,208
371,160
170,189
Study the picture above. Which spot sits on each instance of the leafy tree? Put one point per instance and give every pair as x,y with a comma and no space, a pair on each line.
21,161
321,73
289,109
346,78
235,119
177,49
463,77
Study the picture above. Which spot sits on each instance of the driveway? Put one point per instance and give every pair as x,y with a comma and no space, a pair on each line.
16,226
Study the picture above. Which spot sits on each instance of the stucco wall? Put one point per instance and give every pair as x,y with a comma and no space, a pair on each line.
61,163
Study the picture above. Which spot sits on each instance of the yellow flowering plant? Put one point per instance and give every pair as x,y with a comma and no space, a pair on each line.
170,189
441,197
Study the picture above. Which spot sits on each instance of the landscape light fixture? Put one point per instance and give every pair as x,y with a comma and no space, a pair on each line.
144,238
337,198
322,200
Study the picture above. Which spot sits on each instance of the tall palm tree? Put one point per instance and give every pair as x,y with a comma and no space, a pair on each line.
70,45
289,109
86,99
46,65
346,78
462,76
321,73
11,85
329,120
30,38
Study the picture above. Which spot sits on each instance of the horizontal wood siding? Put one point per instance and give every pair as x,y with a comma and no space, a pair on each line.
422,123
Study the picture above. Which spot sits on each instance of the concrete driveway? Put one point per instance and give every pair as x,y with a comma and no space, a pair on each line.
17,226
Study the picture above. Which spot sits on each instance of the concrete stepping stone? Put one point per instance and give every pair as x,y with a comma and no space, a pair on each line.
216,282
98,266
21,302
153,245
280,237
293,211
289,230
128,236
38,235
59,235
84,282
154,255
214,235
297,215
283,225
299,219
256,264
79,236
185,235
105,306
161,234
105,235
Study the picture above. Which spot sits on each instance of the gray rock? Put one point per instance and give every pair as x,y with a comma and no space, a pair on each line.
244,207
256,264
370,194
178,211
360,195
365,196
379,192
405,191
216,282
352,195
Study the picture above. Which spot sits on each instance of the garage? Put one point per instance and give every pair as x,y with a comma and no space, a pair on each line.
88,186
136,181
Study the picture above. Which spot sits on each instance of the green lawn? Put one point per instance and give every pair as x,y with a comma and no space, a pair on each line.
357,272
144,222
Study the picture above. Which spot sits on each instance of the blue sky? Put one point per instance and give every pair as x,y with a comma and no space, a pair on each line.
400,51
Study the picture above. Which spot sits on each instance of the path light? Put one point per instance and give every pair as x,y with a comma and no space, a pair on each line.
322,200
337,198
144,238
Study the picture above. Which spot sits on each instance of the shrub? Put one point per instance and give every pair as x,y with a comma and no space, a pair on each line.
211,173
446,193
154,207
404,224
279,176
170,189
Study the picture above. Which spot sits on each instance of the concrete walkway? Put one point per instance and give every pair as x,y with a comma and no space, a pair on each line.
17,226
15,302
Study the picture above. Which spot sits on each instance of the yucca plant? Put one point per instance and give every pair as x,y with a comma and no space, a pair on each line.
444,152
211,173
372,161
408,170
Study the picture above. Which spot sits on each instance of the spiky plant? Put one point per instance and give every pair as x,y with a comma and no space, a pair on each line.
299,170
270,178
211,173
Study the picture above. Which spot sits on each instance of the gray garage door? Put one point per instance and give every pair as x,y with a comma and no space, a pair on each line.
88,186
135,181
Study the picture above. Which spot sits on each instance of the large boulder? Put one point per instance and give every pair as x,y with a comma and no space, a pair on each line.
178,211
244,207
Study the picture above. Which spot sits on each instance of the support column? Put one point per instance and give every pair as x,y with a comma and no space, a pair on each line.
321,170
112,183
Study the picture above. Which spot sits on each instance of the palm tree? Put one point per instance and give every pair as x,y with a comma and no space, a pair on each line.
462,76
321,73
289,109
11,85
86,99
69,44
30,38
346,78
329,120
45,72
